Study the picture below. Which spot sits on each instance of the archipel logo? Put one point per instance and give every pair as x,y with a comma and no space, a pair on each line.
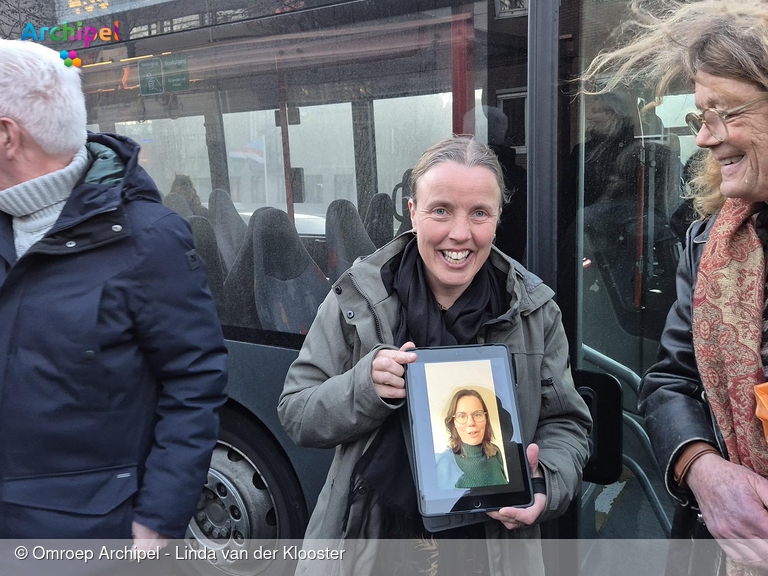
66,32
70,58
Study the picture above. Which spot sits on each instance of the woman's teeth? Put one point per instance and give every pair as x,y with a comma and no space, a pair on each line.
729,161
455,257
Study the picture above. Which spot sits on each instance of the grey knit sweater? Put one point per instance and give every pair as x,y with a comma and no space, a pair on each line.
36,204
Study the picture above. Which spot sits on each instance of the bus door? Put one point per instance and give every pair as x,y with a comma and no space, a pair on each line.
621,158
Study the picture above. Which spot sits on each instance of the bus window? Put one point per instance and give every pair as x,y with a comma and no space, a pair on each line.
172,147
254,160
398,145
328,176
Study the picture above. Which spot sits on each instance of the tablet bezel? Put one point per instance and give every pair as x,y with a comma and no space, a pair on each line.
437,501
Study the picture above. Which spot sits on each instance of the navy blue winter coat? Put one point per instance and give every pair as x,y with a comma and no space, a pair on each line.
112,363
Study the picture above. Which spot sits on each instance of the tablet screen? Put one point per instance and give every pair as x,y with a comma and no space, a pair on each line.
468,446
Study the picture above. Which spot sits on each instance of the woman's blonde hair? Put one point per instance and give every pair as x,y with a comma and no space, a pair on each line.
666,43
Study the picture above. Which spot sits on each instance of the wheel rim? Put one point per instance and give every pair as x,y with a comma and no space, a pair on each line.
235,507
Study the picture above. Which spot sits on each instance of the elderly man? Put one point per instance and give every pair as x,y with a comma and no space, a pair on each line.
112,362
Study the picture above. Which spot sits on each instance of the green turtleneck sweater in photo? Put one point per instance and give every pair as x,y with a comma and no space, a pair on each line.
478,469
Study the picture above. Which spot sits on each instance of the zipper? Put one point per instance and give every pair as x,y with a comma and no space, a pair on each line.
370,307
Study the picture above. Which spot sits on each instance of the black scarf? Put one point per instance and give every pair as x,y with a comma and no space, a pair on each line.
384,467
422,321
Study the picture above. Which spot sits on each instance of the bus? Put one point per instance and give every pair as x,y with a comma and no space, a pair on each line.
285,131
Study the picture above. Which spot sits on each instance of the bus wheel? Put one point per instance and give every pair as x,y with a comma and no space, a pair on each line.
251,498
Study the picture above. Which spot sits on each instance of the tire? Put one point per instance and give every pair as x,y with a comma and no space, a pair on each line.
252,497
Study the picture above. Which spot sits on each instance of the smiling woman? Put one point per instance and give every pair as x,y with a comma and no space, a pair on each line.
447,285
699,399
737,138
455,209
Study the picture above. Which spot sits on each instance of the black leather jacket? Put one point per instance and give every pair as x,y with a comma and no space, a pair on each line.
672,397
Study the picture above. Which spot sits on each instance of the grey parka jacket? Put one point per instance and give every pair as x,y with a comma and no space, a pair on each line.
329,400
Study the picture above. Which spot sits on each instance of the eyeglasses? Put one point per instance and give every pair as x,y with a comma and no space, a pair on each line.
716,120
462,417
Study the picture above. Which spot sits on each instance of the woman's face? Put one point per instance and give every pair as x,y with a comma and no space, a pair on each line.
601,120
454,218
743,156
472,432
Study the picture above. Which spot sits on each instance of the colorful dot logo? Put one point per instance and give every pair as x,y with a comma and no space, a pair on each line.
70,58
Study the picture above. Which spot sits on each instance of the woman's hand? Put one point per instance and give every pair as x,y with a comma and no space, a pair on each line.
514,518
387,371
733,503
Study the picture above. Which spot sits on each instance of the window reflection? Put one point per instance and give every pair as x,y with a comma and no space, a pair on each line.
629,168
172,147
508,7
273,125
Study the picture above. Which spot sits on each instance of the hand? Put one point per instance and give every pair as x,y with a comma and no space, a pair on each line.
733,503
146,539
387,371
513,518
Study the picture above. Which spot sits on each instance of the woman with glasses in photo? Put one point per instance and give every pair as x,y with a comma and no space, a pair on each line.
700,399
472,459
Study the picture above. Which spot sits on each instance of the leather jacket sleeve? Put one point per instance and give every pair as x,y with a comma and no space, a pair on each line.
672,396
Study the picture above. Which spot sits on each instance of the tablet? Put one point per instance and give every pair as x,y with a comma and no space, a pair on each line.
468,447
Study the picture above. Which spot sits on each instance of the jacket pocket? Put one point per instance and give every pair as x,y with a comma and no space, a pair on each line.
551,401
91,492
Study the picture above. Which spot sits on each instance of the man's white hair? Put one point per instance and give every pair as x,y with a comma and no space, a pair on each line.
43,95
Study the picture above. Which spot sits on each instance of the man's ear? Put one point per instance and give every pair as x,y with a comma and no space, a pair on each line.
4,132
10,137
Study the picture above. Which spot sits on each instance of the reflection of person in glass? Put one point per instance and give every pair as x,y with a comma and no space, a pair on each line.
608,145
471,460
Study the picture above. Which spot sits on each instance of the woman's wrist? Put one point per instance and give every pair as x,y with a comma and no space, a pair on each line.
690,454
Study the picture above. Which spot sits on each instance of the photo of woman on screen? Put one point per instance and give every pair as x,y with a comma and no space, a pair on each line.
471,460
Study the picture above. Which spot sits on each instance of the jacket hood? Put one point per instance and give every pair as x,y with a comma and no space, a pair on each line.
528,292
112,178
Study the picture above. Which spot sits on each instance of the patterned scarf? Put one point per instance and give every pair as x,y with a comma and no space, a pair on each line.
728,304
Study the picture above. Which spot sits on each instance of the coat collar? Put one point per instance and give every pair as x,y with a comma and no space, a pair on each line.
528,292
112,177
701,236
